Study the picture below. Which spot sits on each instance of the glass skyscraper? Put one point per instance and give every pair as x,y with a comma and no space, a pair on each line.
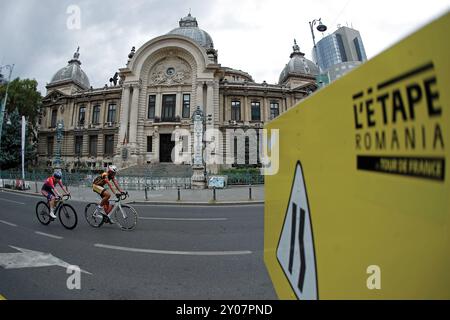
339,52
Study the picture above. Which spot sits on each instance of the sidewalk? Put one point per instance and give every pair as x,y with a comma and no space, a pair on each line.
230,195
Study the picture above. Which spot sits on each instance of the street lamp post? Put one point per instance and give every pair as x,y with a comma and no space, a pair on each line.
3,104
322,28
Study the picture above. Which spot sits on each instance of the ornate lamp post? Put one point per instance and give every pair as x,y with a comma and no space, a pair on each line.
3,104
198,177
322,28
59,138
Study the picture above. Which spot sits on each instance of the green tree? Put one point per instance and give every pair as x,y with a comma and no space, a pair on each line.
23,100
10,156
23,96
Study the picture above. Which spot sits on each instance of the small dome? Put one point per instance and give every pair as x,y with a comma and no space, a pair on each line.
72,72
189,28
298,65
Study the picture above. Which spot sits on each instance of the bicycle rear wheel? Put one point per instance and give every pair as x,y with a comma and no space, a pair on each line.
126,217
93,217
68,216
43,213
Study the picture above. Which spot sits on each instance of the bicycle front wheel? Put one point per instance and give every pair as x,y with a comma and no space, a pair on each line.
68,216
43,213
93,216
126,217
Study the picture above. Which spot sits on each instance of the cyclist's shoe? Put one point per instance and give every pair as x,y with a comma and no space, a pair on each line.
109,220
52,215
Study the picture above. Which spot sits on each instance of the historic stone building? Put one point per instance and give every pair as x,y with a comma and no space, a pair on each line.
131,121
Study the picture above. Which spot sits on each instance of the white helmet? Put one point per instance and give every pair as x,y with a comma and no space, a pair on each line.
112,169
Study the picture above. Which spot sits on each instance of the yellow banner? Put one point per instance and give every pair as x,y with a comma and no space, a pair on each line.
360,206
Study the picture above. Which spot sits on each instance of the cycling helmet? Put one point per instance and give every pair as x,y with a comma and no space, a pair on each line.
57,175
112,169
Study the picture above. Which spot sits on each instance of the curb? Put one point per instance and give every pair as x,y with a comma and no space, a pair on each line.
181,203
186,203
21,192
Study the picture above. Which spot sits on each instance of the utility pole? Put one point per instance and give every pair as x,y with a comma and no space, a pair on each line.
3,104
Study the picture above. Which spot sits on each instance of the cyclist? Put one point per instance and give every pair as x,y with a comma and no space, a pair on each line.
49,190
98,187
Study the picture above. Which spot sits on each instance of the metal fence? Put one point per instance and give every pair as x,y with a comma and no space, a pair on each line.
35,178
244,178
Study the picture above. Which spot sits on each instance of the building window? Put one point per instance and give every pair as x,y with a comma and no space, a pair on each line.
274,110
93,140
168,107
149,144
81,116
341,47
186,106
256,111
236,110
358,49
151,106
78,145
50,145
96,115
109,144
54,117
111,113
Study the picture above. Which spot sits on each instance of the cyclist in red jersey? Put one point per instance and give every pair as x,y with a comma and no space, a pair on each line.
50,192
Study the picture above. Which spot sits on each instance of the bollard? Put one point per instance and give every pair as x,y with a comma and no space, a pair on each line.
250,193
214,193
179,195
146,196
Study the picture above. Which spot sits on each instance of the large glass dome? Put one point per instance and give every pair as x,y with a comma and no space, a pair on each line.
189,28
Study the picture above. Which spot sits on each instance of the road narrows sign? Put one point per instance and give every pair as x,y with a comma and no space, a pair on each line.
295,251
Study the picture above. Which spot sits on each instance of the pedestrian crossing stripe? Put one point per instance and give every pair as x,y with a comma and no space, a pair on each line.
295,251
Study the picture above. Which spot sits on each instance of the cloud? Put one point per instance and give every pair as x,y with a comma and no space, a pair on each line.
252,35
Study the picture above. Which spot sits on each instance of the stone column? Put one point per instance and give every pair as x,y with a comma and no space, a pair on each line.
264,113
199,96
158,104
156,144
134,108
244,114
124,113
179,103
210,102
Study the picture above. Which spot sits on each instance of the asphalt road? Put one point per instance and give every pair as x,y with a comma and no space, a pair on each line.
175,252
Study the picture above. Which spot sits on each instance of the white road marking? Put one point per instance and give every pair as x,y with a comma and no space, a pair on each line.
48,235
198,206
31,259
8,223
191,253
184,219
11,201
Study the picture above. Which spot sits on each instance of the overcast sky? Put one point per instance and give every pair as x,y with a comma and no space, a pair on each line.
255,36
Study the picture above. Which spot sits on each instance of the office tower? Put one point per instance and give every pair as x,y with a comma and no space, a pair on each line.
340,52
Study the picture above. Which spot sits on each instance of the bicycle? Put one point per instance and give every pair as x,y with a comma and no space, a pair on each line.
66,213
128,214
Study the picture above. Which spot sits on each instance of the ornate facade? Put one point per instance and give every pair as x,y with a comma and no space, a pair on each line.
131,121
